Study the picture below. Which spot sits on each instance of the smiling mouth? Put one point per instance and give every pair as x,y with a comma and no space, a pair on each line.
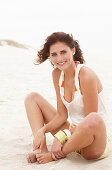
61,63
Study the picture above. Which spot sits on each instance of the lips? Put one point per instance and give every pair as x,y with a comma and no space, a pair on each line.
61,63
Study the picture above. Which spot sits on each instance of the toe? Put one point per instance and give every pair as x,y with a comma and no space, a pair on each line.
28,160
40,161
31,158
30,155
38,155
39,158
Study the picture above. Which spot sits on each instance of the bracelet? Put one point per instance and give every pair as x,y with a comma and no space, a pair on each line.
67,132
61,136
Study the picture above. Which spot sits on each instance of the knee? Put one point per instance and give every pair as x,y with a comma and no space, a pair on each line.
30,97
92,122
96,120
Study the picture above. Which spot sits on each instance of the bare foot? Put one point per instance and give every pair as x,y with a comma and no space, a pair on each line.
31,158
43,158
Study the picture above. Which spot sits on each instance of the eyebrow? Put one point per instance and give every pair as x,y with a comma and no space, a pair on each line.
53,53
60,51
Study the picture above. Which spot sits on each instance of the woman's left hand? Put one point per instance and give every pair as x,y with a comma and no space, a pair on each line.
56,149
39,140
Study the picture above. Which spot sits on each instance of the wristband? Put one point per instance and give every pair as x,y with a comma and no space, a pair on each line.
67,132
61,136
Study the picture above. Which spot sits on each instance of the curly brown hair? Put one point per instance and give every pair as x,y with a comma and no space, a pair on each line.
44,53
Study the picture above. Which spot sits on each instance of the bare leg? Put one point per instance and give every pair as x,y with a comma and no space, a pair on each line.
39,112
89,137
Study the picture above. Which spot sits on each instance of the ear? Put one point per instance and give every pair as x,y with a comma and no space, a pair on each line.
73,50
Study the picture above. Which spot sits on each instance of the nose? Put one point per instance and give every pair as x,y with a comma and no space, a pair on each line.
59,57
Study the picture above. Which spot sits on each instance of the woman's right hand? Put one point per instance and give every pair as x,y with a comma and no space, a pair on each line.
56,149
39,140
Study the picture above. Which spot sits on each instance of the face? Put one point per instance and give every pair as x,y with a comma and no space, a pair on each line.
61,55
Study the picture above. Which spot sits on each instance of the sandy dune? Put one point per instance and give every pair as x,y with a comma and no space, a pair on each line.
18,77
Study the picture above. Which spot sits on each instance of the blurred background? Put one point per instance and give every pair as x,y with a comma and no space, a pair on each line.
31,21
27,23
24,26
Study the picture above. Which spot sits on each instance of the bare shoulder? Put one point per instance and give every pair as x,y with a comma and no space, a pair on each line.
87,74
88,79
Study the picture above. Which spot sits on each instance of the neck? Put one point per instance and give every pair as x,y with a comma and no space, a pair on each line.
69,72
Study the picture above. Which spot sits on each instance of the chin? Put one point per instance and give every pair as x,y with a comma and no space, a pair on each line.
63,68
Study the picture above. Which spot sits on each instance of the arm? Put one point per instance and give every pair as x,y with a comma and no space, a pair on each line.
62,113
58,120
89,89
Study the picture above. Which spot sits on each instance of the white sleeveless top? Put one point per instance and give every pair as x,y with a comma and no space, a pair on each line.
76,106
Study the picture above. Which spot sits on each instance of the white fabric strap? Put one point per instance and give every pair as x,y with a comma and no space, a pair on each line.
79,66
68,133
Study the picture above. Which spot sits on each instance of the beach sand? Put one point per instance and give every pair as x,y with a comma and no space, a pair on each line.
18,77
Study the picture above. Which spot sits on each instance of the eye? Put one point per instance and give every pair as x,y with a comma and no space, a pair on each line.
53,54
63,52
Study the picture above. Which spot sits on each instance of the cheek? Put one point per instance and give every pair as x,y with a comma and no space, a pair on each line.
70,57
52,60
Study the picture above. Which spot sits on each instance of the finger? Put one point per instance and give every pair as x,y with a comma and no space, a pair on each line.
54,158
62,153
58,156
36,147
59,153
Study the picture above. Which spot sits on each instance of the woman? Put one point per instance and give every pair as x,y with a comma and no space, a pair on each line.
79,94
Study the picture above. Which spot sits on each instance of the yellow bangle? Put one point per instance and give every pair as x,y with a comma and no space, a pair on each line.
61,136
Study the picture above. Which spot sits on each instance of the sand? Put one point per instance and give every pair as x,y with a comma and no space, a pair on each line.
18,77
